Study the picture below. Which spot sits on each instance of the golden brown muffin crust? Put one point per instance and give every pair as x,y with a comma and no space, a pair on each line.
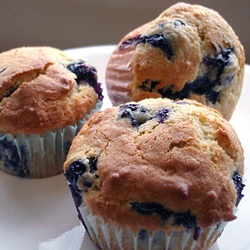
185,163
200,42
38,93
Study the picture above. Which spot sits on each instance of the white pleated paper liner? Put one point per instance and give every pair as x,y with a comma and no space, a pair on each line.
38,156
109,236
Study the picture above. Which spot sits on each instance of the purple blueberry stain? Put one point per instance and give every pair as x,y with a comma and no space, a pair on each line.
76,169
239,186
15,160
86,74
76,194
197,233
77,198
2,70
163,114
143,234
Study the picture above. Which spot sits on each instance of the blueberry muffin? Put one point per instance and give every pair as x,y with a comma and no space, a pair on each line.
45,97
156,174
188,51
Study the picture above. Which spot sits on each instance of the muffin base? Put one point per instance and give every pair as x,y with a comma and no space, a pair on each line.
110,236
38,156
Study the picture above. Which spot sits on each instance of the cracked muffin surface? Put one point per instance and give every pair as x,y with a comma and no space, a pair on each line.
157,164
40,91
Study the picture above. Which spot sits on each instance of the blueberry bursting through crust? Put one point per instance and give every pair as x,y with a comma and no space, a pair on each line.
159,41
185,219
87,172
135,113
86,74
138,114
204,84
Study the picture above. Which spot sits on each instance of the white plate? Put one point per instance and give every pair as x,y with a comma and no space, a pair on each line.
40,214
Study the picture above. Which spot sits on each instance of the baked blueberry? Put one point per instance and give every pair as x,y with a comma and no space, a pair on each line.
136,113
150,209
162,115
148,85
185,219
85,73
130,106
92,165
85,171
159,41
218,62
201,86
75,169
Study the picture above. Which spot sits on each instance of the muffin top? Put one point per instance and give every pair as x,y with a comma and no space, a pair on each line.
41,89
157,164
188,51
